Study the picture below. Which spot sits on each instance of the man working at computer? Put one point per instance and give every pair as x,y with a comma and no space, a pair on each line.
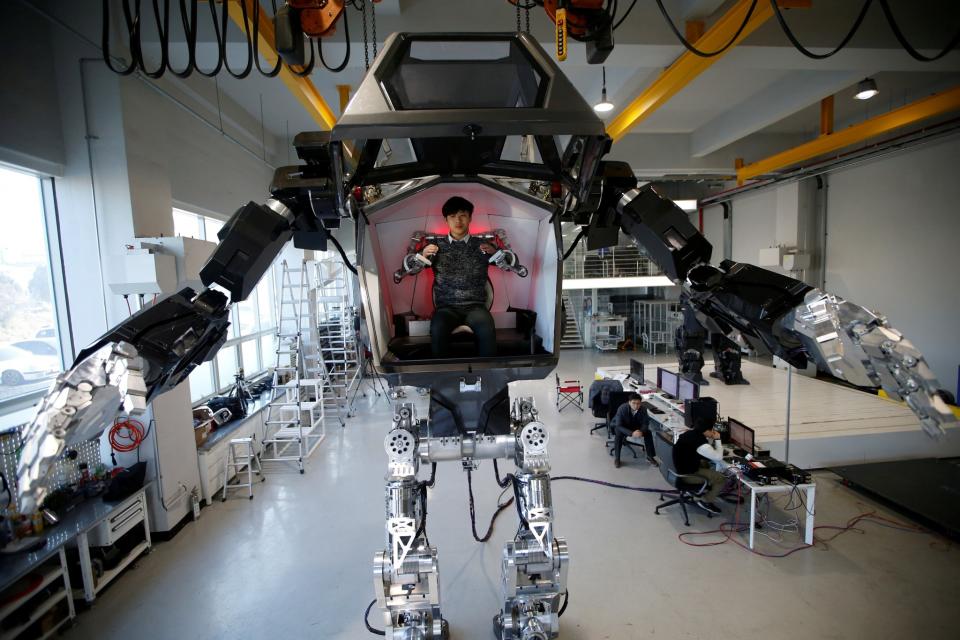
460,264
631,421
694,454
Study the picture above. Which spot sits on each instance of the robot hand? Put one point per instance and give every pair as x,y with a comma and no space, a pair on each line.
775,313
859,346
506,260
150,352
414,262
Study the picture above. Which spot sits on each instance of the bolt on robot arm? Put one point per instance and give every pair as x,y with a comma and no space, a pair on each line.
772,312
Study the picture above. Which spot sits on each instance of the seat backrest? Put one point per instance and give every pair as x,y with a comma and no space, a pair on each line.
617,398
487,288
663,444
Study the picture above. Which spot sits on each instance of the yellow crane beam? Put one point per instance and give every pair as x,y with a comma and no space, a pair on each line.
937,104
688,66
301,88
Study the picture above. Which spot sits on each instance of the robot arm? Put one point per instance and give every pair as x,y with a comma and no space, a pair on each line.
155,349
414,262
505,259
772,312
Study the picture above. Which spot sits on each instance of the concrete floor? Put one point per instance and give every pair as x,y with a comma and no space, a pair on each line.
296,561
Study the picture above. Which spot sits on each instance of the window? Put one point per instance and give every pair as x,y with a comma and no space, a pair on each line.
30,349
253,324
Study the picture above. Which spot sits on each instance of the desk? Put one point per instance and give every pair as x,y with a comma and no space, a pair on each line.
757,489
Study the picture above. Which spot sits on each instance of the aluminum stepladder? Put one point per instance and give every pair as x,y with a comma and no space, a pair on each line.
337,357
287,434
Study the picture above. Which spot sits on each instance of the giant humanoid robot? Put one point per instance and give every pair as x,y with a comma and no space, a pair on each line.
456,101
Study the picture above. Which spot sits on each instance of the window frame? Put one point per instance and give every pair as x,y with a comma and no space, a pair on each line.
59,297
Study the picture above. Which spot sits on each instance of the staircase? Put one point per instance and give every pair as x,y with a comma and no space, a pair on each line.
571,338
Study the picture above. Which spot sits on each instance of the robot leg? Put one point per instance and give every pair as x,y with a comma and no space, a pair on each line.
535,562
406,573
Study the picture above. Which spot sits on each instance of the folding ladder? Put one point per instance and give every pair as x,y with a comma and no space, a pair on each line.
287,434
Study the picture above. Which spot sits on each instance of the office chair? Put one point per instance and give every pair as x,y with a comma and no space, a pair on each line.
689,486
600,409
570,392
617,398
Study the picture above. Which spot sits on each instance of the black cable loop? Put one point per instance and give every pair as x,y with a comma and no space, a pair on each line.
189,26
105,39
346,56
220,37
272,73
902,39
706,54
163,29
819,56
620,21
223,44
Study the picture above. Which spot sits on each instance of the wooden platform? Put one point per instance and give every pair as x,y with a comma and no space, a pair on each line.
829,425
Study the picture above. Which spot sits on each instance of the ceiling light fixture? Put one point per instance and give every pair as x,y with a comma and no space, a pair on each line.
866,89
604,105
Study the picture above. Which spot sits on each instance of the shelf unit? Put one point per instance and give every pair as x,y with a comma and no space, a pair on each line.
52,574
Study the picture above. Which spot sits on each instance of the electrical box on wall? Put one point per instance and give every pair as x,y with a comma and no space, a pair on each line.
796,261
770,257
161,265
141,271
190,254
787,258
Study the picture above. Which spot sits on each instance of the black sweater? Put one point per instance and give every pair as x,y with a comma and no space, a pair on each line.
460,272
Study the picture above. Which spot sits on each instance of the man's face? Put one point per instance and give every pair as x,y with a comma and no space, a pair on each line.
635,405
459,223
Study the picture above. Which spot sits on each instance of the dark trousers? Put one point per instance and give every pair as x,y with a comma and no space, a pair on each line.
623,433
446,319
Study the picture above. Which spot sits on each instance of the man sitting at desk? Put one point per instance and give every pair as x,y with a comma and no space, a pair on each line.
631,422
693,454
460,265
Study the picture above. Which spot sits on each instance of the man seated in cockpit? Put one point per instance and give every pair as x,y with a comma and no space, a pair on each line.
460,263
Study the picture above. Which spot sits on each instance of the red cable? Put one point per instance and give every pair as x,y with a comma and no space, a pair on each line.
126,435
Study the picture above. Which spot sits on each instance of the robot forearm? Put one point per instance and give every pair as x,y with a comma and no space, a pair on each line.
152,351
778,314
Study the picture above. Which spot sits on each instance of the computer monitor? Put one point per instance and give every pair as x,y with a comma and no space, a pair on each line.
698,411
636,370
688,390
741,436
668,381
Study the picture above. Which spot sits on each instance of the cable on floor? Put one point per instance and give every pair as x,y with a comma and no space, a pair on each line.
728,529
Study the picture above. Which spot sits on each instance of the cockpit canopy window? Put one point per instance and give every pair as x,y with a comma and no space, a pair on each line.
487,74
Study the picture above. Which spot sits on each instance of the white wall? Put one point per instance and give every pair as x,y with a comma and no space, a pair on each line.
754,225
713,230
892,230
892,226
